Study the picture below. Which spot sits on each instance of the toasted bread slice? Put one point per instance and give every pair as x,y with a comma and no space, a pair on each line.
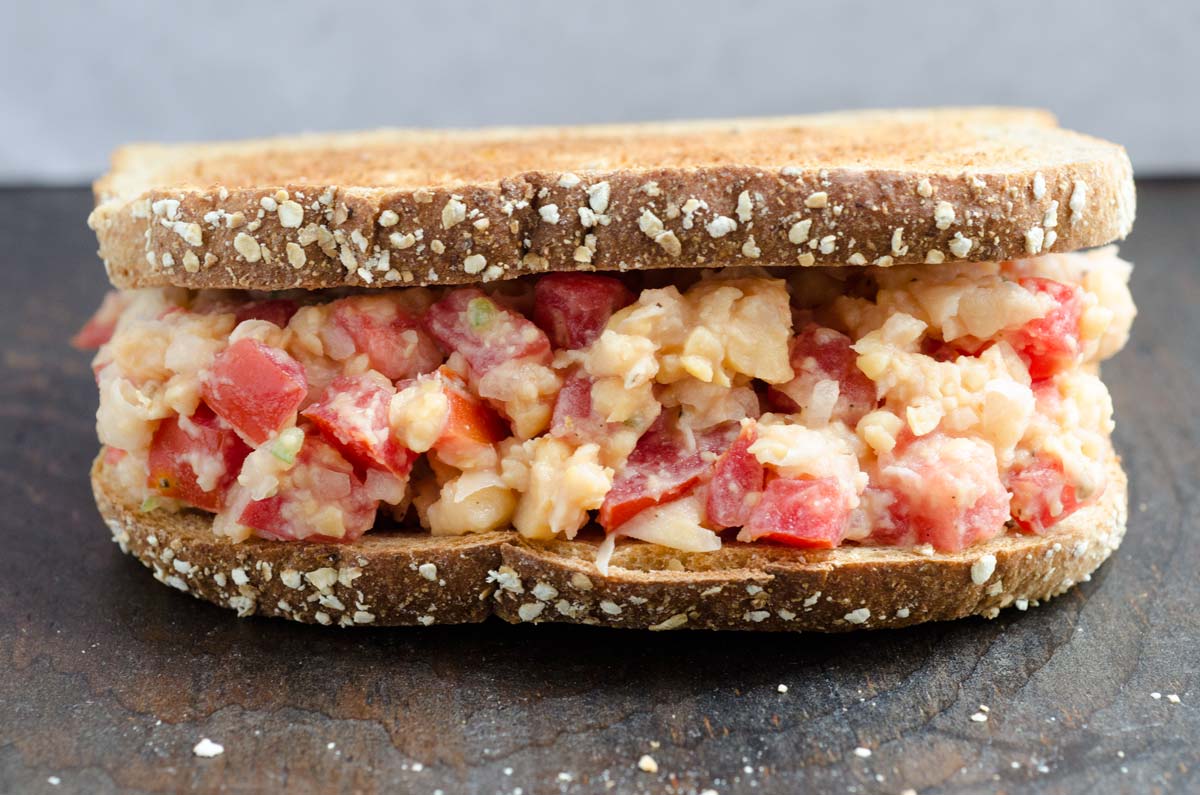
404,579
406,207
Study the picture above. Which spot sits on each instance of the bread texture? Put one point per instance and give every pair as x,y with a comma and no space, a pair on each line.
406,207
413,578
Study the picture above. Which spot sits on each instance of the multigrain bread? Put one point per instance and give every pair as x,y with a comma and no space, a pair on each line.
413,207
414,578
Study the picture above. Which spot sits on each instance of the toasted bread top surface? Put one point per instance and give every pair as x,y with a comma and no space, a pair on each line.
452,206
943,141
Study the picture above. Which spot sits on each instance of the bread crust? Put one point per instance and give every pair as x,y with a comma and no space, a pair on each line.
406,579
886,187
384,579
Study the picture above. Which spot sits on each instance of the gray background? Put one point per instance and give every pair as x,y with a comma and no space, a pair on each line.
77,79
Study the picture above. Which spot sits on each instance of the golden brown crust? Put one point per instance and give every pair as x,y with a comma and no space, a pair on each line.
383,579
404,207
389,578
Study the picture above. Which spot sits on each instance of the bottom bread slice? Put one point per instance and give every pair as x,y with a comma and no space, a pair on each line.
414,578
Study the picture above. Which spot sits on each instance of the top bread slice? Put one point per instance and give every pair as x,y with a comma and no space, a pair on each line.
407,207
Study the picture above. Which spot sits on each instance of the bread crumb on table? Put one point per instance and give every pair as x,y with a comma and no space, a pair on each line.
207,749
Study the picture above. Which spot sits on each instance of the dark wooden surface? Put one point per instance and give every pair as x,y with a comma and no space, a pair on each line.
108,679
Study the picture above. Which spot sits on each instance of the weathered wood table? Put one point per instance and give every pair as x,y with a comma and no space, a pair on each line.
108,679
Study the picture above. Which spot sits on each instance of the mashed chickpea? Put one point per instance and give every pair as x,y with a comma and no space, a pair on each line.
986,369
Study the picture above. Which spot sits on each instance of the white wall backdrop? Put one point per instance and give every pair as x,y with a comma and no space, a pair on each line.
78,78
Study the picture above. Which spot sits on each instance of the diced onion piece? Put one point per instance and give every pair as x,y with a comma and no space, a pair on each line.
471,482
604,553
824,399
673,524
385,486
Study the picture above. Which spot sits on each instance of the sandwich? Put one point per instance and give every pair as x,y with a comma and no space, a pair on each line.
821,372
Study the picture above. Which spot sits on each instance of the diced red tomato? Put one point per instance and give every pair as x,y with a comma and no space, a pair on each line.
573,418
255,388
1050,344
661,468
471,420
1041,495
352,414
573,404
201,442
573,308
391,337
470,423
113,456
321,480
946,491
278,311
737,483
887,526
800,513
822,354
485,333
100,326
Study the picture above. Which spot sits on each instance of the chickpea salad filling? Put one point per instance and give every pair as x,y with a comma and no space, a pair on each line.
927,406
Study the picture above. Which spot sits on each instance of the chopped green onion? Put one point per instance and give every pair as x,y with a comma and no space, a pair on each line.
480,312
149,504
287,445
